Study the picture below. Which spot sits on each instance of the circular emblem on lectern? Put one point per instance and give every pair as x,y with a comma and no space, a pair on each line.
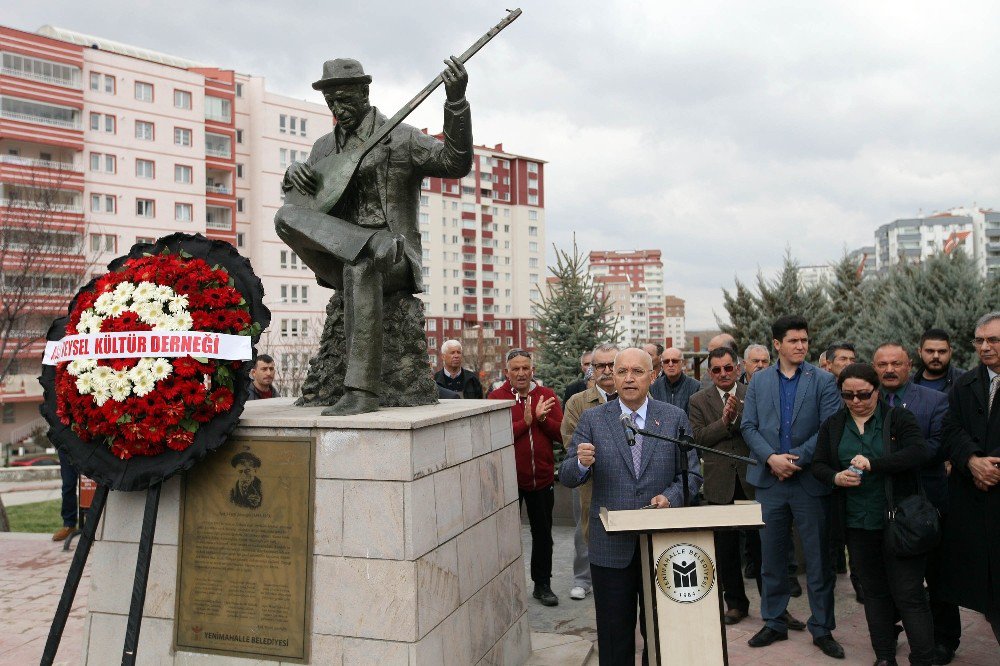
685,573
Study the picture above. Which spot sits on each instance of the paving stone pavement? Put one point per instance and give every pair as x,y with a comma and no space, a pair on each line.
33,569
577,618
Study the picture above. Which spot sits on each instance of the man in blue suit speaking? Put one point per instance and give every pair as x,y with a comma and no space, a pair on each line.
785,405
626,477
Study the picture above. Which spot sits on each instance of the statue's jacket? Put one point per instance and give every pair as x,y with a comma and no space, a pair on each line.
385,190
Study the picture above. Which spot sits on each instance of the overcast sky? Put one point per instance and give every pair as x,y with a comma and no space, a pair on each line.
718,132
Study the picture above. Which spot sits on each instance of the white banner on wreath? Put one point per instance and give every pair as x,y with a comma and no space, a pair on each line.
140,344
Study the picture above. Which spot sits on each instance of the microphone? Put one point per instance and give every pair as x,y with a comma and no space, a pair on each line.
629,429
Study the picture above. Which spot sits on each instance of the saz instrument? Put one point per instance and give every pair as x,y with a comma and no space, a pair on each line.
335,171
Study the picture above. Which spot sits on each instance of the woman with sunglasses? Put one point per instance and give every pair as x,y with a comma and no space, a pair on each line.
857,450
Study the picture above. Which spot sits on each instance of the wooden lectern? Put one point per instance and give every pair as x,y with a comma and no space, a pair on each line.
681,592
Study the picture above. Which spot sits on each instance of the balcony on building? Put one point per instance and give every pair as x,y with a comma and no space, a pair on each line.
40,113
218,145
42,71
27,155
42,200
218,181
219,218
218,109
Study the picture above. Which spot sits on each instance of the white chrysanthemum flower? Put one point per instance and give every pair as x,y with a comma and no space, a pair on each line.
142,384
103,373
120,380
163,293
160,369
178,303
101,397
145,363
84,383
89,323
164,323
121,393
143,292
80,366
149,313
183,322
124,290
117,309
104,302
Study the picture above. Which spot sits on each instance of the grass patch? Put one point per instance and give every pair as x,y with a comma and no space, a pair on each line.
42,517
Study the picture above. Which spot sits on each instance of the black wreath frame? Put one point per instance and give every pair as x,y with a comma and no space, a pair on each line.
94,459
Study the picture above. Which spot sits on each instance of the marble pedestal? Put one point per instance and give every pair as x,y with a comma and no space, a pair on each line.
417,549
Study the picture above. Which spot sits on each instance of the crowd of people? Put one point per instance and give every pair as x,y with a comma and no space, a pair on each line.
842,449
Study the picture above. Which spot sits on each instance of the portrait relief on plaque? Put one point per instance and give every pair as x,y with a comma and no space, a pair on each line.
245,551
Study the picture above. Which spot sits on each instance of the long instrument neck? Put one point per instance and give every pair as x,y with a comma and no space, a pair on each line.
383,131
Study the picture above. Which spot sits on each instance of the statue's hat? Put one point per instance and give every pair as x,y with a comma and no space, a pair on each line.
341,71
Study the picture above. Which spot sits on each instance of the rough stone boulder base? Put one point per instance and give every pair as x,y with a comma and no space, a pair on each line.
406,378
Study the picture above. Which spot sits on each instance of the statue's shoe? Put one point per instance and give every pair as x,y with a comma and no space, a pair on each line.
353,402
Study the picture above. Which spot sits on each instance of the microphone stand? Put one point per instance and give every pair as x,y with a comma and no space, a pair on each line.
684,444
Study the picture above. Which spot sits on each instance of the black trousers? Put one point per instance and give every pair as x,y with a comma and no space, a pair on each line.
539,505
617,592
892,583
69,479
947,623
727,556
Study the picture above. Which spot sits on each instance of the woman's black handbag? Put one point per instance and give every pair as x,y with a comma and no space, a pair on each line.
913,527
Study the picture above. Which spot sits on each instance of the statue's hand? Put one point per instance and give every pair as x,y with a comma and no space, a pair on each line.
455,80
387,250
302,178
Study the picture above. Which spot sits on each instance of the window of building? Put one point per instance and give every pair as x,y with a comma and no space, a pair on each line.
239,90
182,99
239,170
183,173
103,242
144,130
145,208
183,212
241,238
145,169
102,122
532,215
532,263
533,246
218,145
143,91
103,163
532,167
102,203
9,413
182,136
239,204
239,136
101,82
218,109
532,199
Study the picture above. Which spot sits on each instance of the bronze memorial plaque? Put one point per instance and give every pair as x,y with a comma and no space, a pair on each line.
244,566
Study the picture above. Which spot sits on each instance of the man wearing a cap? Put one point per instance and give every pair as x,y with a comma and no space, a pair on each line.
369,243
247,490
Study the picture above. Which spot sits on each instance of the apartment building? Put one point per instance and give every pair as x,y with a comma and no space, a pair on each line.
483,243
644,271
912,240
131,145
674,321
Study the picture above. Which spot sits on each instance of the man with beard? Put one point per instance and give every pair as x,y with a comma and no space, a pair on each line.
247,491
892,364
936,371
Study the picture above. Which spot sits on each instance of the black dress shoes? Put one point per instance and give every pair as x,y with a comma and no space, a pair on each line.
942,655
829,646
766,636
792,623
734,615
545,594
886,662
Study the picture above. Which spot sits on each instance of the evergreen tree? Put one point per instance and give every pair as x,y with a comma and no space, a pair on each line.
746,323
845,296
573,316
785,295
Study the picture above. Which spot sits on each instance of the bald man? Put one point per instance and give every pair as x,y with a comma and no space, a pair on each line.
673,386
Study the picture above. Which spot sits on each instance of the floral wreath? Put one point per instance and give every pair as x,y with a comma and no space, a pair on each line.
136,409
